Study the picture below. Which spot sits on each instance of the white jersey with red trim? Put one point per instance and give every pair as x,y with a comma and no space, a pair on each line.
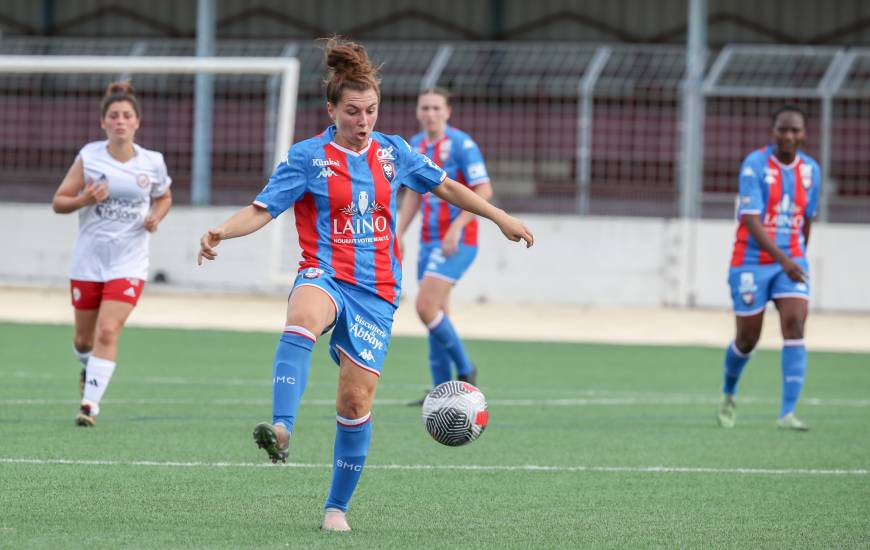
112,242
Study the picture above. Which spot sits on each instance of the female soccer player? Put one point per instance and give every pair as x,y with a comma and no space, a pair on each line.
343,186
779,196
121,191
448,236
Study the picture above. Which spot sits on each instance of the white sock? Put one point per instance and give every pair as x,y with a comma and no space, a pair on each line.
82,356
99,372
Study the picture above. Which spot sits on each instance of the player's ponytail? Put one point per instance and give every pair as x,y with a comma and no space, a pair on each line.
348,68
119,91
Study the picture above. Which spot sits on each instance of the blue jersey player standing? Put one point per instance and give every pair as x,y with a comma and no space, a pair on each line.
342,185
778,197
448,234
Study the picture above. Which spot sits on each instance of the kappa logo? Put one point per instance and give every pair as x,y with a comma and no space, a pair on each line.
367,355
326,173
468,144
748,172
770,176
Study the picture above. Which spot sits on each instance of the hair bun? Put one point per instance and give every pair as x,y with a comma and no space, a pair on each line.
120,87
348,59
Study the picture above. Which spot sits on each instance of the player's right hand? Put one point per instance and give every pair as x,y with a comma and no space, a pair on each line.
794,271
207,244
95,192
515,230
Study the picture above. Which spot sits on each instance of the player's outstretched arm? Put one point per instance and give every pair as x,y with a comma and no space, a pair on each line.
244,222
459,195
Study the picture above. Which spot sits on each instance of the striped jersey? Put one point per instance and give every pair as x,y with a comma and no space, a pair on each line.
461,158
783,197
345,205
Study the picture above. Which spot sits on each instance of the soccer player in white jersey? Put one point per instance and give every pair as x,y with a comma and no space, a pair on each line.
121,192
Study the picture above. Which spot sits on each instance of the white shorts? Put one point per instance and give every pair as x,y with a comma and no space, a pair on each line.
96,259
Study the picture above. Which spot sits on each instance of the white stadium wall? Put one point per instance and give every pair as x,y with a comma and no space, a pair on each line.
645,262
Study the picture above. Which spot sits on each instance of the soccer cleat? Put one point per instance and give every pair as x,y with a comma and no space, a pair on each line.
727,411
334,520
274,439
791,422
471,378
419,402
84,417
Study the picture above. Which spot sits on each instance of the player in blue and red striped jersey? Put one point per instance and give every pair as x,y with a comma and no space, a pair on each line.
342,185
448,235
778,197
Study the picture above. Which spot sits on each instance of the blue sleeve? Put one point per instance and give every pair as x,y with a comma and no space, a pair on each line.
749,200
287,184
417,171
815,192
473,165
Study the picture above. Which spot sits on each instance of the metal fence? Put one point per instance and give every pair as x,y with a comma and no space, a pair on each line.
566,128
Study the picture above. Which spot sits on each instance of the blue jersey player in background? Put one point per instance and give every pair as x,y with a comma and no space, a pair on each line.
448,234
342,185
778,198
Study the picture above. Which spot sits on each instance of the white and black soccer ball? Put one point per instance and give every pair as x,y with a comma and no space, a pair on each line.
455,413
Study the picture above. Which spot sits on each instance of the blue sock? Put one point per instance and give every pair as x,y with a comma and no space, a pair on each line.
735,360
352,438
439,361
290,374
442,329
794,365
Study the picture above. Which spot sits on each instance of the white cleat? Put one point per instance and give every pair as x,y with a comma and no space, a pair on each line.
791,422
727,414
334,520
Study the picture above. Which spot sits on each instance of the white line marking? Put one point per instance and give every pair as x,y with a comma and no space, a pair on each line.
449,467
569,402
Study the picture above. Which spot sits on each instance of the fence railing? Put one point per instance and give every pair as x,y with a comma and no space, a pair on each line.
565,127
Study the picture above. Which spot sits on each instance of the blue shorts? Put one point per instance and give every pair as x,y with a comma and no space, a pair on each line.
434,263
752,286
363,321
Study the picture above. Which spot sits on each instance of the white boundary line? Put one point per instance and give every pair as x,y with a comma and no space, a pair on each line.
449,467
664,400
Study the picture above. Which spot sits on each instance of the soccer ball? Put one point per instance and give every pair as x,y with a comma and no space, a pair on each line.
454,413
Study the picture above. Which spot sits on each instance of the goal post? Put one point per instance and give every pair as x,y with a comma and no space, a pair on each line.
286,68
61,92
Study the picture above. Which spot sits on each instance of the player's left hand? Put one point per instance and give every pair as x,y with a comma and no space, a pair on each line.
515,230
450,242
151,223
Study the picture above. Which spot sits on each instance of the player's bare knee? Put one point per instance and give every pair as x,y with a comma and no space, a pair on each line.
82,343
108,332
427,309
746,342
793,327
311,320
354,402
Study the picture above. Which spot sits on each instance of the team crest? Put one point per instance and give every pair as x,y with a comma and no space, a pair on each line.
143,181
389,170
